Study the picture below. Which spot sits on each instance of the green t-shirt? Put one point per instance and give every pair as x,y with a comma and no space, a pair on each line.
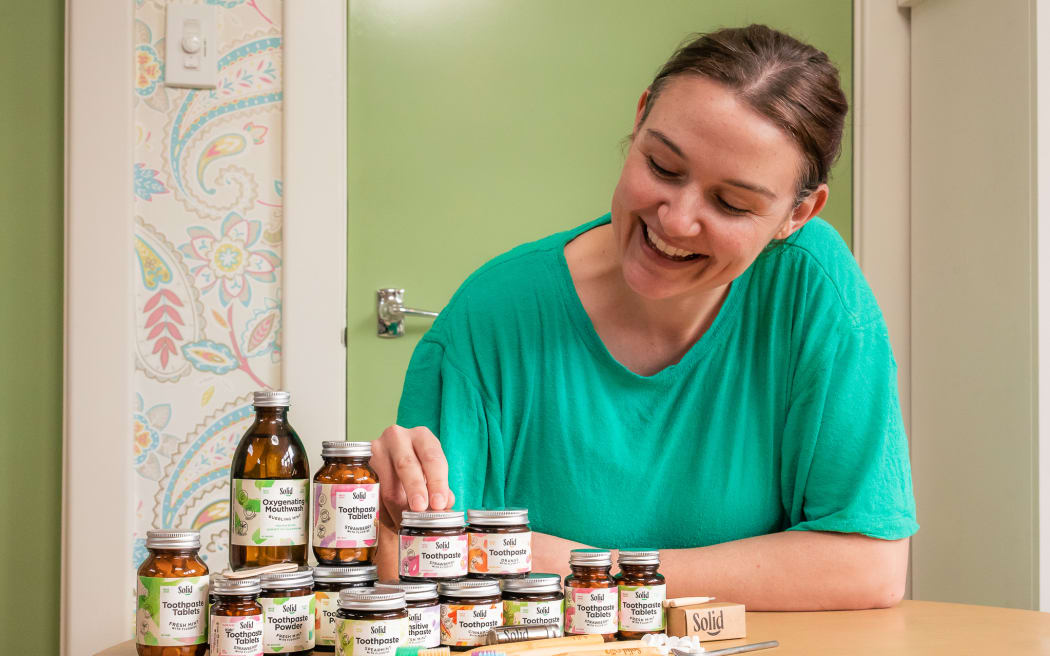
783,415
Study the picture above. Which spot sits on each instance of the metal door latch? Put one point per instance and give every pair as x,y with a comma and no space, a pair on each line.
391,312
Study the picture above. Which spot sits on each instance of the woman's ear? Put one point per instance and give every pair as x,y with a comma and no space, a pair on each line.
640,111
810,206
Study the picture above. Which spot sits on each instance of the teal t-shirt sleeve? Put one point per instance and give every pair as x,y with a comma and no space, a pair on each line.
848,470
441,397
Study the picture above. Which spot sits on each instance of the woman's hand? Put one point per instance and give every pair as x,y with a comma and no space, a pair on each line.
413,473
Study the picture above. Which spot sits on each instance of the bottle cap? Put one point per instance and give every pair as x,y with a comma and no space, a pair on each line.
271,399
413,591
469,588
639,557
371,599
590,557
345,573
344,449
427,519
533,583
173,539
302,577
224,586
501,517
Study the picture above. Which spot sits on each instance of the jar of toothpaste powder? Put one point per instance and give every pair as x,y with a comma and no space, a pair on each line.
536,600
288,612
328,582
432,546
500,542
470,608
424,612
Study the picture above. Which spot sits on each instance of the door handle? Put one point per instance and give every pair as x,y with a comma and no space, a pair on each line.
391,312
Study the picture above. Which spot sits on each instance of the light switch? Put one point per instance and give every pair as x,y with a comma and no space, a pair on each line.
192,53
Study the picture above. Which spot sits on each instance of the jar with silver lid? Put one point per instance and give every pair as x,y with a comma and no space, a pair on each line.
500,542
642,593
371,622
236,616
591,594
287,601
172,613
536,600
328,582
469,610
424,612
432,546
346,505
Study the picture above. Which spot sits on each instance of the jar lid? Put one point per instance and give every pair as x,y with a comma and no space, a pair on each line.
344,573
413,591
639,557
371,599
271,399
173,539
469,588
535,582
590,557
427,519
221,585
501,517
344,449
299,578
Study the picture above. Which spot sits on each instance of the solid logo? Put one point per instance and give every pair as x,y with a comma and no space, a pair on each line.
185,589
444,544
288,608
711,624
247,624
641,594
286,491
360,495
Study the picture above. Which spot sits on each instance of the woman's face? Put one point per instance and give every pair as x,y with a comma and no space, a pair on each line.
708,182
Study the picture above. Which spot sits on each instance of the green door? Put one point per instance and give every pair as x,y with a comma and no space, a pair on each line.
476,125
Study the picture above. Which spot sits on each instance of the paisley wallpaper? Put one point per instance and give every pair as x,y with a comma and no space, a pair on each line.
207,173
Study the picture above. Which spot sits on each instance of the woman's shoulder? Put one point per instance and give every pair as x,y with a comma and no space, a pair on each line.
818,268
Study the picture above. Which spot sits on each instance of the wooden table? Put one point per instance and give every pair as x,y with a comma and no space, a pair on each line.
913,627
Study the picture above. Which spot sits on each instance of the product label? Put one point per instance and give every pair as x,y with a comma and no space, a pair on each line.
326,605
465,625
590,610
237,636
345,516
370,637
642,607
172,612
443,556
268,513
547,613
289,623
500,553
424,626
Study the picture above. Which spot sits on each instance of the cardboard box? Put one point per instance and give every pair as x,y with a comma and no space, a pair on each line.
715,620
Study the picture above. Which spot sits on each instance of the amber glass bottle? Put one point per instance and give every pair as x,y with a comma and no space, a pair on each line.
172,616
642,594
345,505
590,594
236,616
269,480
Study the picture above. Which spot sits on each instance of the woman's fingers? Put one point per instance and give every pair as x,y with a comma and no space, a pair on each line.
413,472
392,495
435,468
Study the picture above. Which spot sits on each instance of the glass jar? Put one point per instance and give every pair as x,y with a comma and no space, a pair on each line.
172,614
371,622
424,612
269,480
534,600
432,546
346,505
236,616
287,601
642,593
469,609
500,542
591,594
328,582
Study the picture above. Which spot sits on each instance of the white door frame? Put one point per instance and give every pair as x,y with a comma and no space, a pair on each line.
97,480
97,516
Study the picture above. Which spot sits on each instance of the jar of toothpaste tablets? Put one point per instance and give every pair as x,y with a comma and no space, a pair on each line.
470,608
536,600
500,542
287,601
424,612
591,594
642,592
328,582
236,617
172,614
432,546
371,622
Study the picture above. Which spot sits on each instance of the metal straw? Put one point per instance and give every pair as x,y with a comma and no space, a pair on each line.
742,648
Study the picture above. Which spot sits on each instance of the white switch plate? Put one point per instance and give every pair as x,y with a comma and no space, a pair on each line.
191,53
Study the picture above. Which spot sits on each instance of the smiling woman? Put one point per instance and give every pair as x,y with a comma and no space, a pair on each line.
703,370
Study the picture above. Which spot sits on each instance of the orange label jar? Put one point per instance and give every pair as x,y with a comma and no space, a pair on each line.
500,542
469,610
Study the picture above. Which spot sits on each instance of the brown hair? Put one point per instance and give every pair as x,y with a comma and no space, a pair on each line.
792,84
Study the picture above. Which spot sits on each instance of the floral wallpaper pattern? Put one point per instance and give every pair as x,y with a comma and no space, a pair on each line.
208,195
